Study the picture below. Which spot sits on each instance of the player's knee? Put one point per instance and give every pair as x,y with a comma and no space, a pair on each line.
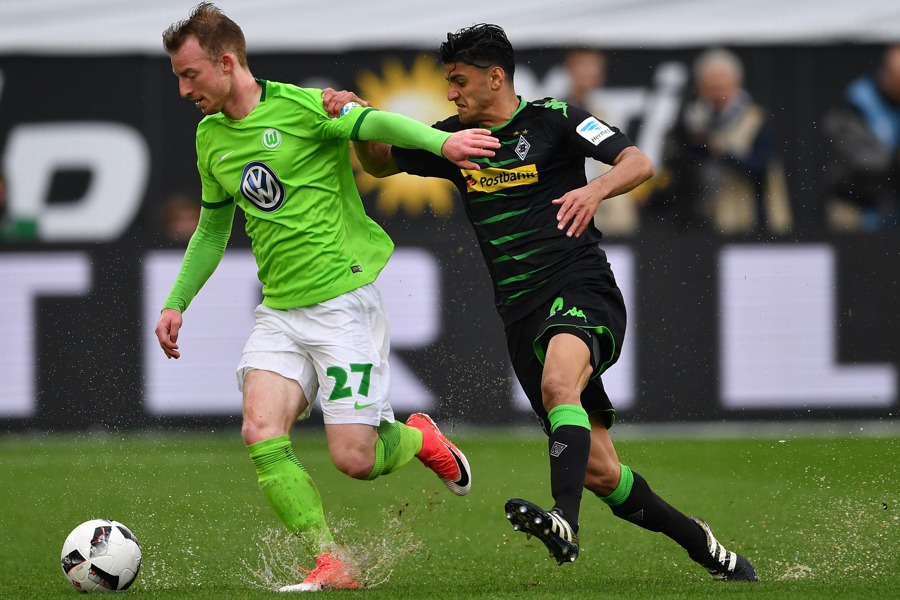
357,465
257,430
556,390
250,433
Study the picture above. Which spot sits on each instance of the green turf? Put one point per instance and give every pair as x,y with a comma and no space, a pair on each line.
819,517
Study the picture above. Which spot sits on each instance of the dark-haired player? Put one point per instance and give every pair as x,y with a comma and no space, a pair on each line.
532,211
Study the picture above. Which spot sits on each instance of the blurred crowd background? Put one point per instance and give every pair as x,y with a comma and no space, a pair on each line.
770,124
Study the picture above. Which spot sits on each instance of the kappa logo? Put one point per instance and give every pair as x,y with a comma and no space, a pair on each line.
575,312
557,449
553,104
594,131
636,517
558,305
261,186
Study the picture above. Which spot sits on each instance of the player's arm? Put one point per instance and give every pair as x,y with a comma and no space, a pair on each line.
203,254
576,208
398,130
376,158
630,169
395,129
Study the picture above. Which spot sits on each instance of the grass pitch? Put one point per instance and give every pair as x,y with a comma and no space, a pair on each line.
819,516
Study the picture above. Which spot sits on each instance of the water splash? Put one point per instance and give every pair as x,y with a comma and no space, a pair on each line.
860,540
371,554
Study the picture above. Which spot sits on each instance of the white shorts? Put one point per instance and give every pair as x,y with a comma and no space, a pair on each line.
336,350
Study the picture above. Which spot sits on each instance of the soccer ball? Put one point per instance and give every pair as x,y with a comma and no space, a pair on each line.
101,556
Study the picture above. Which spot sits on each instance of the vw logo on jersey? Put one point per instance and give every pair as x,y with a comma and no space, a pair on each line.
261,186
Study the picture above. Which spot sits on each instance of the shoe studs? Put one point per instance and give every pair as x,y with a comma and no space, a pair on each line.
550,528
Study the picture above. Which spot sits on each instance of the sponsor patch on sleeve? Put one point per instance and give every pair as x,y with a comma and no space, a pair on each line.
594,131
346,108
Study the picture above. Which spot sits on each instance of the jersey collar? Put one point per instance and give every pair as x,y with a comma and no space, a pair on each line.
262,82
522,104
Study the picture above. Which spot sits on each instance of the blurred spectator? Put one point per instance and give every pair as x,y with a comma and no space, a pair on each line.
719,167
180,214
584,72
864,134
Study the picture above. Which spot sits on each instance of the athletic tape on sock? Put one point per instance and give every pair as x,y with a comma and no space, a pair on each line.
568,414
268,452
397,445
388,441
623,490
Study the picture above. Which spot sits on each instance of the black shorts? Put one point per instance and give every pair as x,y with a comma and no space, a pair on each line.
591,309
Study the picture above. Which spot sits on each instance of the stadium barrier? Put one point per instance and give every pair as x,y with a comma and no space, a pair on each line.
720,328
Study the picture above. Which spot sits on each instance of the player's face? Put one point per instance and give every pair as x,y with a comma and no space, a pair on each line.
719,85
470,90
200,80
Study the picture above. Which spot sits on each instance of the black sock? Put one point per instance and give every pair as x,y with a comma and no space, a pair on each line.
645,509
570,446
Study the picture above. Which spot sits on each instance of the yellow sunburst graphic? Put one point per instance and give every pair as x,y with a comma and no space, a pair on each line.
420,93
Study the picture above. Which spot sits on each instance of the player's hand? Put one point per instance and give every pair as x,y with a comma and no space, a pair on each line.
167,329
334,100
576,209
463,145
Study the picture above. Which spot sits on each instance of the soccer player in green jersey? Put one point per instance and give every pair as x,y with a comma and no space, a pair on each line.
272,150
532,210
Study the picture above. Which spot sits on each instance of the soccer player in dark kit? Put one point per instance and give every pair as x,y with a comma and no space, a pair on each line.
532,210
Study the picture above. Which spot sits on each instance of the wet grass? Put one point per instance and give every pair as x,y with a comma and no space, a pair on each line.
818,515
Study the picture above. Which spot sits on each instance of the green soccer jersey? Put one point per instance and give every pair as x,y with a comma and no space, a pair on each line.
287,166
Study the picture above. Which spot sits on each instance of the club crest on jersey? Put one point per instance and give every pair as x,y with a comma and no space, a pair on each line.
261,186
522,147
594,131
271,139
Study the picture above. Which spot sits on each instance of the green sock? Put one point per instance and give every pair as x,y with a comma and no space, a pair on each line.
622,491
290,490
397,445
568,414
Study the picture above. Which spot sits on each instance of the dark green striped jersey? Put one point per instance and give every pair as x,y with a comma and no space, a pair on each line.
509,201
